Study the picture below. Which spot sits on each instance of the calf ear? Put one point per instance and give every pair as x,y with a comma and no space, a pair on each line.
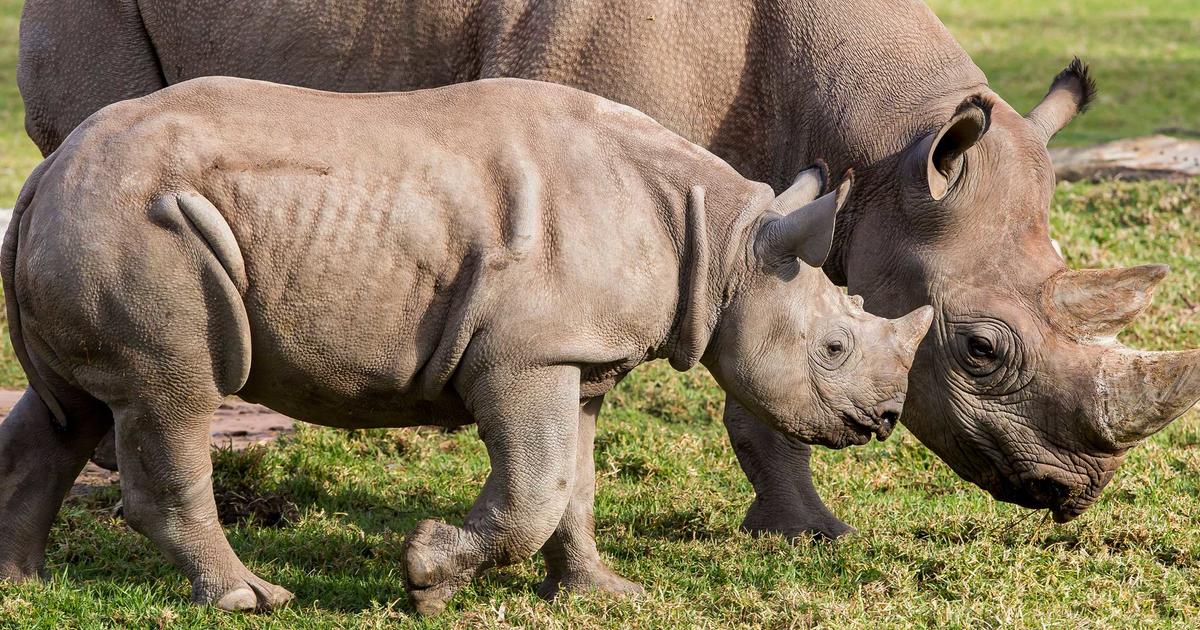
944,161
804,232
1070,94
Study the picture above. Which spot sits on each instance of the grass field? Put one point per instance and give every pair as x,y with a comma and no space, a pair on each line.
933,551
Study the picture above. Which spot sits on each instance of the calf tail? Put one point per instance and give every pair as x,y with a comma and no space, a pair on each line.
8,269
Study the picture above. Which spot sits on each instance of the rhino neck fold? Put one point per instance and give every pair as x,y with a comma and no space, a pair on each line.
712,266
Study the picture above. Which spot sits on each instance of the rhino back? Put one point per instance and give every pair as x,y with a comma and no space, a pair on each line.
766,85
376,253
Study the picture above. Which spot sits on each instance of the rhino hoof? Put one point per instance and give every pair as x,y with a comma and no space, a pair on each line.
17,574
429,602
602,580
238,599
431,576
256,596
764,522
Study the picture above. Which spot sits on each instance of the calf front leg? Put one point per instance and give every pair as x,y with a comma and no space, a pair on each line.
528,421
787,502
572,561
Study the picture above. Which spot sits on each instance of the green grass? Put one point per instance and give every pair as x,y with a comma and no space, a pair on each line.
18,156
1145,57
933,551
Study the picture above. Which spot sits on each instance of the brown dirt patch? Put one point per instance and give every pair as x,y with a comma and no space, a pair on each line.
236,425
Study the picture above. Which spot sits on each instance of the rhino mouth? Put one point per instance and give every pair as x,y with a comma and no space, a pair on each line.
861,426
1065,500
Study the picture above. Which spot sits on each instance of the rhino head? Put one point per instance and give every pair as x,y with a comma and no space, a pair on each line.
1020,385
798,352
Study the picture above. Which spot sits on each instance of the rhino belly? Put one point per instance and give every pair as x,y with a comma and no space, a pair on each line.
342,389
344,344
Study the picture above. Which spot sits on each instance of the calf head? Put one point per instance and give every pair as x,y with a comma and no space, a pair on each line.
798,352
1020,386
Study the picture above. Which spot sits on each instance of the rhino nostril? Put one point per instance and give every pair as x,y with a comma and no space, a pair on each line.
1048,491
888,413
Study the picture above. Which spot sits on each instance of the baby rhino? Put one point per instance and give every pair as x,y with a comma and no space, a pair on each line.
499,253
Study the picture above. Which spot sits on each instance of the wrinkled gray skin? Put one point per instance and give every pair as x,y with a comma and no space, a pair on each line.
501,252
1020,388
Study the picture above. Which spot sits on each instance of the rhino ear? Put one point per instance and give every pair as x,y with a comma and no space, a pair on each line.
804,232
944,161
807,185
1071,92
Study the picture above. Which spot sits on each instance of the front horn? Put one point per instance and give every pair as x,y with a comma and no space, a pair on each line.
1142,392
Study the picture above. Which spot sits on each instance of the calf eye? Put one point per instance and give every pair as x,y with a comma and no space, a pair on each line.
832,349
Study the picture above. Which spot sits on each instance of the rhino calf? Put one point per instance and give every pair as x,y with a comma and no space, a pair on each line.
499,253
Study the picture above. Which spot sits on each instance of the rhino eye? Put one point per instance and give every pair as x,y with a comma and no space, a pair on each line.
981,348
986,349
832,350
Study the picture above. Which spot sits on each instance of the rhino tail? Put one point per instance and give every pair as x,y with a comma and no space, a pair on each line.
8,267
224,280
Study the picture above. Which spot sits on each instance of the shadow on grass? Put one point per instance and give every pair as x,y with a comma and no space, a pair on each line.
335,546
683,524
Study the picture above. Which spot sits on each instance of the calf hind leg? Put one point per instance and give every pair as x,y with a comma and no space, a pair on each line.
528,422
572,561
166,479
38,463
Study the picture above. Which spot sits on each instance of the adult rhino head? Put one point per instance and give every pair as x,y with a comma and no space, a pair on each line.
1020,385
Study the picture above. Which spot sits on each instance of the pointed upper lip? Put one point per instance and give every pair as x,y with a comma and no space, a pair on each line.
869,423
1064,501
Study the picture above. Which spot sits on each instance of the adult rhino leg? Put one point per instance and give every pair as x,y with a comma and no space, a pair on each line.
38,463
786,501
528,421
572,561
166,482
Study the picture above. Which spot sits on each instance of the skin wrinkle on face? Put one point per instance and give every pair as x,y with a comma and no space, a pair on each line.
1022,454
1011,435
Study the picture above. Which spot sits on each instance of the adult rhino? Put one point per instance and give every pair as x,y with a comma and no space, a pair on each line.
1020,385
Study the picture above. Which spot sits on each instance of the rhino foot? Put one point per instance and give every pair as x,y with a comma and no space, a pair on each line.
764,519
20,572
432,573
252,594
599,580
